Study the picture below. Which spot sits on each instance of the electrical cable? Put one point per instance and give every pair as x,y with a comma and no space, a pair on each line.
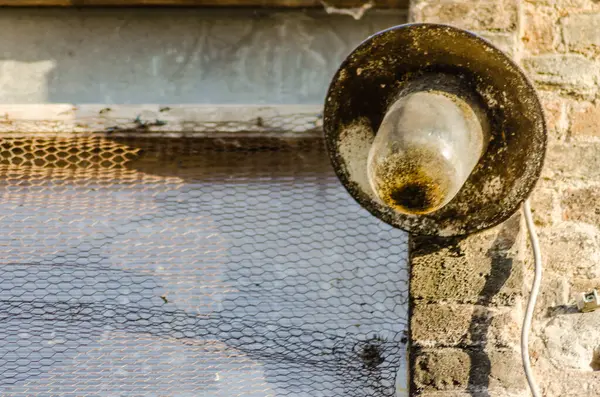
535,289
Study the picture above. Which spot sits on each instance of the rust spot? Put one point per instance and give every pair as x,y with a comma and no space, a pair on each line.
415,197
415,183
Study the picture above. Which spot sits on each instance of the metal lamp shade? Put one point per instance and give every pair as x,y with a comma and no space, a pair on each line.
425,58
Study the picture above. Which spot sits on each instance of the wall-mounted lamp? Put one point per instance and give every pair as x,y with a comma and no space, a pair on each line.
437,132
434,130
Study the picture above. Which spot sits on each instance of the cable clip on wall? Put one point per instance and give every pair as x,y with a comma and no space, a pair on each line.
589,301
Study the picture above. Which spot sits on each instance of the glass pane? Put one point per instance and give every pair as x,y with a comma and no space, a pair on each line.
198,267
188,56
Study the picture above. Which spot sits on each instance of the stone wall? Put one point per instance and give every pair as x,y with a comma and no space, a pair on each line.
468,296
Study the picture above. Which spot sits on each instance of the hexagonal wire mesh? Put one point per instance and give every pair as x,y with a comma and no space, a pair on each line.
184,267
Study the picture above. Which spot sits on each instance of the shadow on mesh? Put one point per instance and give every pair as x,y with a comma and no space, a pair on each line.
225,267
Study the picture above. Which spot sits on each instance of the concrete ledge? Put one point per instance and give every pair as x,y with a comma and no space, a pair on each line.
165,121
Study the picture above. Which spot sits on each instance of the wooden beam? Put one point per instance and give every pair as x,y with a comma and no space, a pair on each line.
205,3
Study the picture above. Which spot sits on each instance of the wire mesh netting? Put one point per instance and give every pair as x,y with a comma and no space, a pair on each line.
193,267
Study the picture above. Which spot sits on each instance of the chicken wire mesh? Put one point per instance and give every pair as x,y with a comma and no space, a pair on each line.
192,267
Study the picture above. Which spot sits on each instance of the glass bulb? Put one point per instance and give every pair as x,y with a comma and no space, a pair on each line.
424,151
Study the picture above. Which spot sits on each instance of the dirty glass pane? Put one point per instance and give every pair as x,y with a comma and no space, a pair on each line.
189,56
192,267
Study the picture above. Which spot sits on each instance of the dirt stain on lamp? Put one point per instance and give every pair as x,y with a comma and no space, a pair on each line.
434,130
425,149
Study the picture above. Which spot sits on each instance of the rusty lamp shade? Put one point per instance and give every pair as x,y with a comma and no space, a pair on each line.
434,130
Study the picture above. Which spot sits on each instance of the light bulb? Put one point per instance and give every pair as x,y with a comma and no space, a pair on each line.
428,144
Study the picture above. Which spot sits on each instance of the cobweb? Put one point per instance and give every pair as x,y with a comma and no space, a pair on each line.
193,267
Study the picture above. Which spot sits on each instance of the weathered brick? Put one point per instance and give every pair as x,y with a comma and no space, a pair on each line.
580,285
442,369
572,340
480,268
585,120
540,2
581,32
473,393
571,72
570,383
582,205
486,15
539,33
555,109
456,369
506,42
506,370
572,249
569,161
542,206
554,294
582,5
572,7
465,325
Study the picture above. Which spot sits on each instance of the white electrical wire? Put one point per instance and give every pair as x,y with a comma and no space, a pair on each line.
535,289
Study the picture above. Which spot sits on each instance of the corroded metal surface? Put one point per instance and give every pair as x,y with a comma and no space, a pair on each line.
381,69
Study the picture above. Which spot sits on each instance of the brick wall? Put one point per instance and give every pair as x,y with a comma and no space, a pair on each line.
468,296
